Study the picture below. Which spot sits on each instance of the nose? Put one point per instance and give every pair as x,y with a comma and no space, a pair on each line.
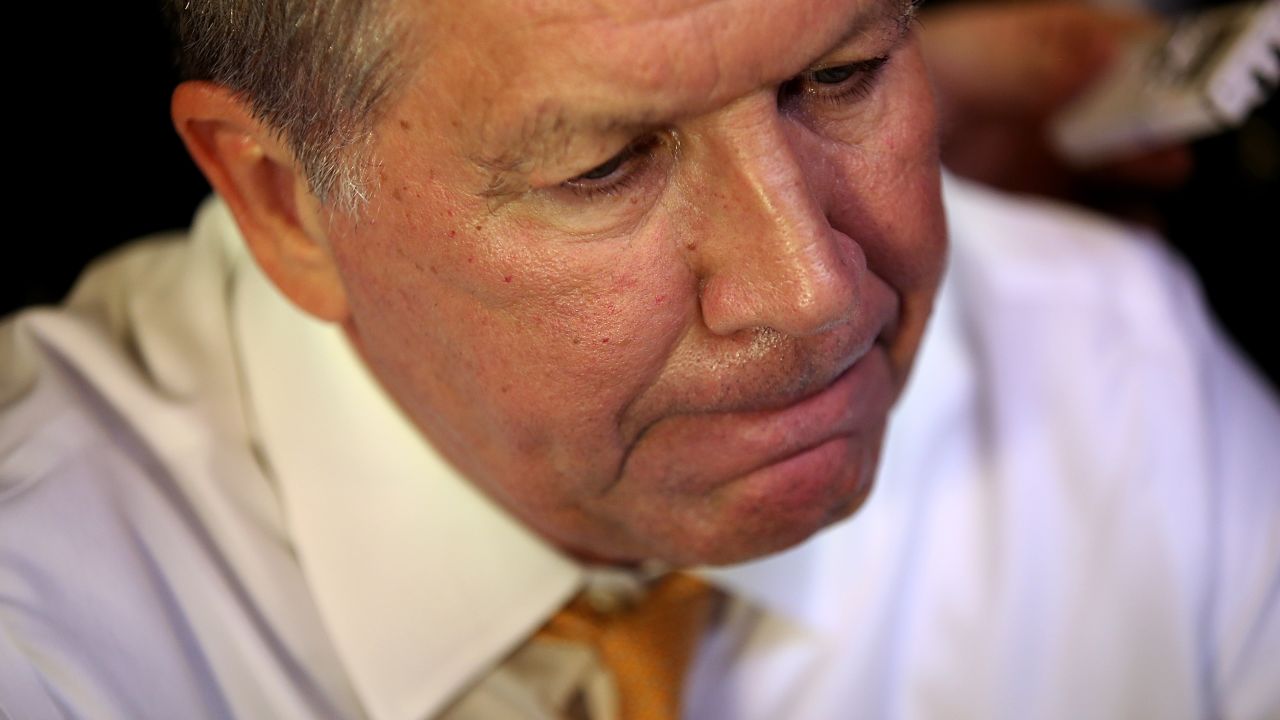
766,255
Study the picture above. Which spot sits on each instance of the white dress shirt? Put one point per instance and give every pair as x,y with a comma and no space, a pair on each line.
209,509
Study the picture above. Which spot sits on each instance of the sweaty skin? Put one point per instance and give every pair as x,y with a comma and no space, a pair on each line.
640,273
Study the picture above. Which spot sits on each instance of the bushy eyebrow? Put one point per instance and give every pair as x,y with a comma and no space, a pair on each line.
552,125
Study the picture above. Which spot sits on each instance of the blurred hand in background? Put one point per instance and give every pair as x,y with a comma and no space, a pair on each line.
1002,70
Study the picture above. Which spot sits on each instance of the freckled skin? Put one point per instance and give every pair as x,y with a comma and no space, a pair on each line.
630,378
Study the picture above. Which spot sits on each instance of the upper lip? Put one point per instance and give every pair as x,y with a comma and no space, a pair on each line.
799,398
813,370
746,439
814,386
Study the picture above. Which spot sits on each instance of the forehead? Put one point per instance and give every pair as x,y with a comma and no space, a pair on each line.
643,43
506,64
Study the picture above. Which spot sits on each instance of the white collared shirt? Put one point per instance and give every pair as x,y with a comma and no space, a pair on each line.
208,509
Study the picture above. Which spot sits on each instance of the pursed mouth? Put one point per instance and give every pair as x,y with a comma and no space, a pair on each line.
780,428
789,450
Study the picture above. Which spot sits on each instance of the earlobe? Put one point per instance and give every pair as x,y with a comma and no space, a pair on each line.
255,174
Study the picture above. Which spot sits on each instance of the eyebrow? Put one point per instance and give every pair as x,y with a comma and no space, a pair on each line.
553,123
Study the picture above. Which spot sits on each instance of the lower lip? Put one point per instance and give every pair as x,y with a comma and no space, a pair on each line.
811,488
812,477
849,415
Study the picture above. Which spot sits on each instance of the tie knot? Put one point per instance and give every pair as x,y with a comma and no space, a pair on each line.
646,644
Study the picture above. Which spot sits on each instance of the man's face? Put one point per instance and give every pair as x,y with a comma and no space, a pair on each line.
652,274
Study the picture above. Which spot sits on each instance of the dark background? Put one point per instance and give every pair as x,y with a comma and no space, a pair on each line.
97,163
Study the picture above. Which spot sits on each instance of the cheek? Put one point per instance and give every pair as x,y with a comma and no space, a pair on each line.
532,345
597,327
889,193
591,334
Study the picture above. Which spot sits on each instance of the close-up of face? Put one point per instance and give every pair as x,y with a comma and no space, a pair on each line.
652,275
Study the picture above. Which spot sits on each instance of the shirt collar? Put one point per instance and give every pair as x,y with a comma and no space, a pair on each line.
422,581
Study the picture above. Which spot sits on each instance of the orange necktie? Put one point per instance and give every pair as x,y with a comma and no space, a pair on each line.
646,648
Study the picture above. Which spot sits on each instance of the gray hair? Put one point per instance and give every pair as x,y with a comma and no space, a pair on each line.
317,72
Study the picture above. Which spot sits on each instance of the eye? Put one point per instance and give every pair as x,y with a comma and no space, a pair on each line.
835,84
834,75
617,172
605,169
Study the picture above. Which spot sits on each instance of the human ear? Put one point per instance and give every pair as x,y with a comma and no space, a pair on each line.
255,173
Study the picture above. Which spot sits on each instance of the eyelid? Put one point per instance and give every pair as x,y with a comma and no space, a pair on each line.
860,73
632,161
889,49
855,65
621,158
859,83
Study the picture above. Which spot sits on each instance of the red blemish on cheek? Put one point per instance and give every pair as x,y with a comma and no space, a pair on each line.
453,233
449,213
604,341
471,260
658,300
506,279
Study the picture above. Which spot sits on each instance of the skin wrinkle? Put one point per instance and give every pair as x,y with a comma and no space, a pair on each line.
762,342
550,140
547,137
799,378
617,13
804,383
566,346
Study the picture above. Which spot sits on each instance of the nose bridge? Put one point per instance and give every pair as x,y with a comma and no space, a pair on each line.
769,257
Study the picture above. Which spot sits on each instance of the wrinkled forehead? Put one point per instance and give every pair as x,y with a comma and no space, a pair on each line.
699,52
512,80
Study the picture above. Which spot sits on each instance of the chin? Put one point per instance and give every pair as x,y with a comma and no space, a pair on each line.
777,537
768,513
